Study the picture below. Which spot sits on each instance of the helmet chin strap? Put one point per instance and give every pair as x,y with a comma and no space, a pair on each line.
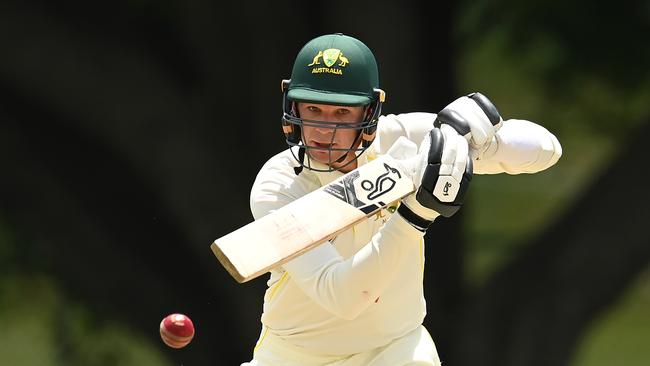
301,160
342,158
351,150
354,143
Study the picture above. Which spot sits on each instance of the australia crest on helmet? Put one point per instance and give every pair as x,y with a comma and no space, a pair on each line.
333,60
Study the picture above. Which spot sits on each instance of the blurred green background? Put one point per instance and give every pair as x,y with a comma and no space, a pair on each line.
131,132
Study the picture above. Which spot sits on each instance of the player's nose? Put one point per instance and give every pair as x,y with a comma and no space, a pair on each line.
324,133
328,117
327,129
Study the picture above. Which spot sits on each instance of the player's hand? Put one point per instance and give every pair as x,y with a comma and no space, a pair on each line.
475,117
441,171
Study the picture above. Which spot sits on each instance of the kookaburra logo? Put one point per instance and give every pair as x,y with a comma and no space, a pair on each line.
345,188
383,183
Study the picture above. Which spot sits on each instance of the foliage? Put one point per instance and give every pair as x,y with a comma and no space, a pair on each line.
42,325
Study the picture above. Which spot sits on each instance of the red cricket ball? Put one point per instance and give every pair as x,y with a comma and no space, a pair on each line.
176,330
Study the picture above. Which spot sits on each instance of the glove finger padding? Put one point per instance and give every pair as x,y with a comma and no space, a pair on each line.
448,172
473,116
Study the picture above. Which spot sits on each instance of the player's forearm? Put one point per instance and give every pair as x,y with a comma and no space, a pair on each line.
347,287
519,146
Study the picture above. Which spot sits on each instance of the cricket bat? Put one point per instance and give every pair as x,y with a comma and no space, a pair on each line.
303,224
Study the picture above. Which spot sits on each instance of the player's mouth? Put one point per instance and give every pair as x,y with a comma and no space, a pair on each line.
321,145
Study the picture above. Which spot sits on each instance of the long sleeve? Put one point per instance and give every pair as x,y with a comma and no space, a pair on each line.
519,146
347,287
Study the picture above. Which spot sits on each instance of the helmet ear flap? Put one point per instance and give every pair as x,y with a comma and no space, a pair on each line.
291,130
372,116
368,135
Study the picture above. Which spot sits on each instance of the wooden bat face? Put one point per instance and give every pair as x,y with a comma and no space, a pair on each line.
284,234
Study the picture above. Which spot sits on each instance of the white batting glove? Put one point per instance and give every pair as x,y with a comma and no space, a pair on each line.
441,171
476,118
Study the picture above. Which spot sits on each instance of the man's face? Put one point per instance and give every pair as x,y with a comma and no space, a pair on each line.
327,137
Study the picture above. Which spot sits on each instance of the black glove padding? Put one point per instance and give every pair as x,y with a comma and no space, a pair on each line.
443,173
473,116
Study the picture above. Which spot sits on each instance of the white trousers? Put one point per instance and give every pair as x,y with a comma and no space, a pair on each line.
415,348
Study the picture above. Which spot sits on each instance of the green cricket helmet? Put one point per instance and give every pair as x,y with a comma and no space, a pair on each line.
332,69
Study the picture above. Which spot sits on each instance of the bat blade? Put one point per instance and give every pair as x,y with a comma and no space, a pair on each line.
303,224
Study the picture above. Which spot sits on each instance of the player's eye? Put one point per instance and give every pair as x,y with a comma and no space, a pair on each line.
343,111
313,109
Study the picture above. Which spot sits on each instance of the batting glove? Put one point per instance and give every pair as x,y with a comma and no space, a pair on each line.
475,117
441,171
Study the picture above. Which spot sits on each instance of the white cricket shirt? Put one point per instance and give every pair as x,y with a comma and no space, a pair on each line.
363,289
